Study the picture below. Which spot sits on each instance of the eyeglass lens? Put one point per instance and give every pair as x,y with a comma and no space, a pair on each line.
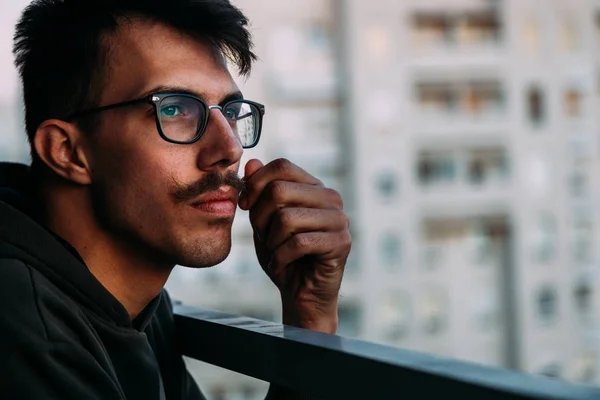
183,119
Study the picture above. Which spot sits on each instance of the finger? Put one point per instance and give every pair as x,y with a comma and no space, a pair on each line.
282,194
280,169
292,221
251,167
330,247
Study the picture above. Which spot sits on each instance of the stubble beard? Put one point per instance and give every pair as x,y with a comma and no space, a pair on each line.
207,250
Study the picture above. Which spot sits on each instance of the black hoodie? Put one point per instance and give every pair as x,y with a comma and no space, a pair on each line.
62,334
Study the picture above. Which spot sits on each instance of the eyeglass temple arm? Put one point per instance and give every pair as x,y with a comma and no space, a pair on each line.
78,114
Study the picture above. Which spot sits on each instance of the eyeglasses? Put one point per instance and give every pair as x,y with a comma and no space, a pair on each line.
182,118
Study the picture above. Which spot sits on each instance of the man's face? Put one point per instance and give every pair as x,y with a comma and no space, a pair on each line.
146,191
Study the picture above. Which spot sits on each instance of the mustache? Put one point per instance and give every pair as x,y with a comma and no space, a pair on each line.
209,183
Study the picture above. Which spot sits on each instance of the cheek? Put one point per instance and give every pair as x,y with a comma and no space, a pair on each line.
140,180
139,169
131,181
135,199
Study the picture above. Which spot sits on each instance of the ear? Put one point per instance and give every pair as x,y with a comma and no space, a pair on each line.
61,146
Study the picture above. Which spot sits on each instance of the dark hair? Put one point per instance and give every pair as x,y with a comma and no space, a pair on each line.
61,54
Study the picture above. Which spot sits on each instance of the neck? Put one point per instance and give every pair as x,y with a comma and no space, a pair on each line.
132,278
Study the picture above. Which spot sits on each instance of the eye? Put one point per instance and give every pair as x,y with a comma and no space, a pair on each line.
232,111
171,111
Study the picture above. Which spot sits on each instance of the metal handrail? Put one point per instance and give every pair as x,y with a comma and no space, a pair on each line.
334,367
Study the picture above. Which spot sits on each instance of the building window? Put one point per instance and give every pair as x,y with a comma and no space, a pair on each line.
487,166
531,36
584,298
350,319
387,184
436,168
482,97
479,28
572,102
390,250
578,183
301,61
582,250
434,312
544,239
431,29
547,304
482,248
488,238
439,237
473,101
463,98
396,316
437,98
218,392
473,28
536,105
249,392
583,239
486,310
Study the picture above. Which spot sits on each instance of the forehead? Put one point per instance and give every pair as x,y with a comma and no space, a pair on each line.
144,54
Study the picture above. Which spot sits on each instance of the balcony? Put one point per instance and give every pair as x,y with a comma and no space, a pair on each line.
461,178
464,103
333,367
473,37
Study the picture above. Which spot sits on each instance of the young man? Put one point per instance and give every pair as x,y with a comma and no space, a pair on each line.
137,129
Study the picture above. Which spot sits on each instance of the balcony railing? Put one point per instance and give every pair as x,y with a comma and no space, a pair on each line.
334,367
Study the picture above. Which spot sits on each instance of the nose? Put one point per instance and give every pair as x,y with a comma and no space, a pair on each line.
220,145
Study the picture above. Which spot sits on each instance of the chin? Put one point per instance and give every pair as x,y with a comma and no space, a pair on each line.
205,253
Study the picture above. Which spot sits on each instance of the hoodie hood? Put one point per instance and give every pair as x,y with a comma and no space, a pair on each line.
23,237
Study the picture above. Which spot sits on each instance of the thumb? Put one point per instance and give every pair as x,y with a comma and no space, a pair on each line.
251,167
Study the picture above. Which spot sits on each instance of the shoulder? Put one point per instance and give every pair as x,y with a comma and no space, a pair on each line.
19,311
27,312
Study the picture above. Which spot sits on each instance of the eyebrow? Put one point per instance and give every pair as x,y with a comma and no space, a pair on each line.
237,95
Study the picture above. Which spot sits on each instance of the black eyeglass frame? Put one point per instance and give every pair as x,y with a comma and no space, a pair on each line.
157,98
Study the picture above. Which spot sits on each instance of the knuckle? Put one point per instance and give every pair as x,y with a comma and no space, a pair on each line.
336,197
282,165
344,219
302,242
285,216
277,190
347,237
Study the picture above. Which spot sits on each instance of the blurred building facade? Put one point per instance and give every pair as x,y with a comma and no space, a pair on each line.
463,138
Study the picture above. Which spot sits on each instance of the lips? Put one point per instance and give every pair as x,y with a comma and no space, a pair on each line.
219,203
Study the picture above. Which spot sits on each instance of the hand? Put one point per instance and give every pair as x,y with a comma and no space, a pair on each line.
302,240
